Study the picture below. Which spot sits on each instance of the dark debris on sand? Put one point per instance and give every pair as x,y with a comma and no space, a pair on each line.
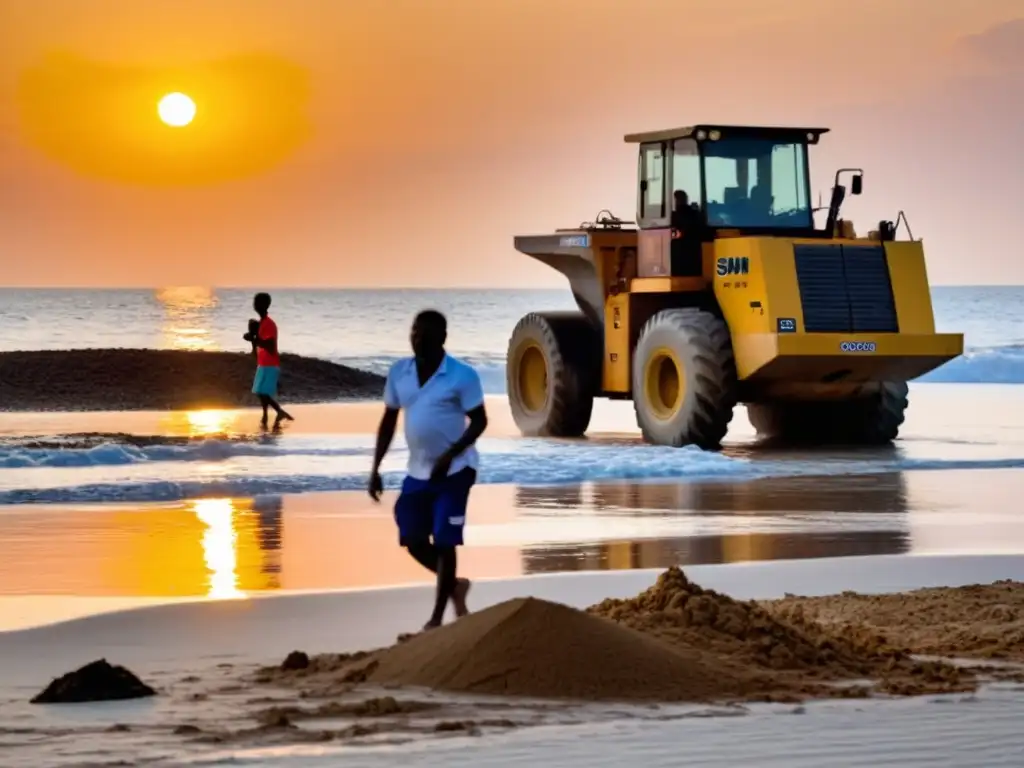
151,379
97,681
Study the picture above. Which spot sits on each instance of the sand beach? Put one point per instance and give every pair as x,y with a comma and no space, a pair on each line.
154,561
221,691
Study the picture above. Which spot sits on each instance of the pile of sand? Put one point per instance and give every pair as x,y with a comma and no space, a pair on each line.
674,642
533,648
529,648
683,614
150,379
978,621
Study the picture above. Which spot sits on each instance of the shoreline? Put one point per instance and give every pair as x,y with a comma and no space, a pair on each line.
76,557
115,379
334,616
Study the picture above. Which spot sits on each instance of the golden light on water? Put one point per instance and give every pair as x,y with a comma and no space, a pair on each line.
219,547
203,422
186,323
210,421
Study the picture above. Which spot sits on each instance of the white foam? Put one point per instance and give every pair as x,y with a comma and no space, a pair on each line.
117,472
983,365
526,462
978,365
120,454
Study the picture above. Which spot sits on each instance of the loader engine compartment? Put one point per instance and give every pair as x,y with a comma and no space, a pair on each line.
845,289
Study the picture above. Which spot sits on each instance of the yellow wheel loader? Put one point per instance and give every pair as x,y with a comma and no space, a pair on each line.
724,291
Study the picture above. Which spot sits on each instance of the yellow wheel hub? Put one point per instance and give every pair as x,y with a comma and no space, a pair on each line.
533,378
664,382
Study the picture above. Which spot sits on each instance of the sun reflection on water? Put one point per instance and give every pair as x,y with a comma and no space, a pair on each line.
201,423
187,311
210,421
219,547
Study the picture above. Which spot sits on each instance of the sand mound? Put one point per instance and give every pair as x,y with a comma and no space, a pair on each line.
682,613
150,379
977,621
674,642
533,648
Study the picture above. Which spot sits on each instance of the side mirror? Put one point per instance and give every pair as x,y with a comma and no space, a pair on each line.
643,185
857,185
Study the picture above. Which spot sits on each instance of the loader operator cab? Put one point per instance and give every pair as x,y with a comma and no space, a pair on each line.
741,180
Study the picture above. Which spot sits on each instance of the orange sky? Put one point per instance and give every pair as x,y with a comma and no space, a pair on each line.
404,142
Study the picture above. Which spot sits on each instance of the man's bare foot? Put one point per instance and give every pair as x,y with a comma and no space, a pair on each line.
431,625
263,423
459,596
281,417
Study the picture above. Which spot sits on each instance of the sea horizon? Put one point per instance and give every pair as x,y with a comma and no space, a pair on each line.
367,288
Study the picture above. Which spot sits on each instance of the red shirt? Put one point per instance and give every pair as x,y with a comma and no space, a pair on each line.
268,330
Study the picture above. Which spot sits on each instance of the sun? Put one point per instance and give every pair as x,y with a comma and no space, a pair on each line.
176,110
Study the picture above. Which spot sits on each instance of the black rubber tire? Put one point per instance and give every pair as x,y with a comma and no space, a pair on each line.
571,346
872,420
703,346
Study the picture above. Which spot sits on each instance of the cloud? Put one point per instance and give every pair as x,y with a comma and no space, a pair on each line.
1000,46
100,120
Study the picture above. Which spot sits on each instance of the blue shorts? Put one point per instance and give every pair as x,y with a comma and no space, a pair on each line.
265,382
437,510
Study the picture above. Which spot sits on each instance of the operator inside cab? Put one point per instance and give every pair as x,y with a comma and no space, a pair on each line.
687,235
685,217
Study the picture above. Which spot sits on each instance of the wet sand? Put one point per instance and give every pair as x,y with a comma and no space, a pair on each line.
64,561
67,560
976,413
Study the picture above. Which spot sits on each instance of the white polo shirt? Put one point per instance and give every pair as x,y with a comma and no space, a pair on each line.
435,414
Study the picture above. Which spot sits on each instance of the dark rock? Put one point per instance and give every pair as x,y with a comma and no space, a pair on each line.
295,660
165,379
96,681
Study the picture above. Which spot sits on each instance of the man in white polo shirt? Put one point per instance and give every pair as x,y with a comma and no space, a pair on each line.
444,415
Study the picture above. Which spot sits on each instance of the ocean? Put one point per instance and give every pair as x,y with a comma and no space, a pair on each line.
369,329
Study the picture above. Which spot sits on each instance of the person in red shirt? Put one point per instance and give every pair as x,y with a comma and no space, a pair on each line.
268,361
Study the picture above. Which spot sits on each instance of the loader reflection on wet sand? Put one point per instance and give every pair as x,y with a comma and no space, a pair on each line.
881,497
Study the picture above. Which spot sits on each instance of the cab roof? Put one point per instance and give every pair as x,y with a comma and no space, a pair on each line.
810,135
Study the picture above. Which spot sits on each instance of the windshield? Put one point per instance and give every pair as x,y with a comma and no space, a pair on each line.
756,183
